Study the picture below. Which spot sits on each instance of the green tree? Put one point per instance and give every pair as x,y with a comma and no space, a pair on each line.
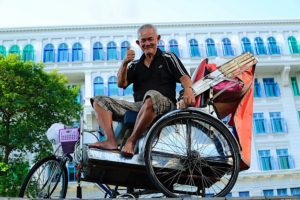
31,99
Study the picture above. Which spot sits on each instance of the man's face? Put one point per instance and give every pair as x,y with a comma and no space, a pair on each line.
148,40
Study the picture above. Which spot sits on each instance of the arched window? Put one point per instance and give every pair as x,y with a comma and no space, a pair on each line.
210,47
49,53
2,50
227,48
293,45
28,53
77,53
161,45
194,48
63,53
98,86
111,51
124,46
14,49
174,47
260,46
272,45
246,45
97,51
112,86
128,91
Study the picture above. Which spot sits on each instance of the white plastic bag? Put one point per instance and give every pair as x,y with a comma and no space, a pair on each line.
53,133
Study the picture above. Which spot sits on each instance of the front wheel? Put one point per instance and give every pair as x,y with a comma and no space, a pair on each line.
48,178
191,153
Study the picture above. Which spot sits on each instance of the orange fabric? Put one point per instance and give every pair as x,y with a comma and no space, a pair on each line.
243,118
238,104
197,75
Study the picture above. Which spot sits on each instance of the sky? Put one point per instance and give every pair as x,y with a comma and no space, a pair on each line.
30,13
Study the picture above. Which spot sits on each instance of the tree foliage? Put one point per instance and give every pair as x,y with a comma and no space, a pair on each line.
31,99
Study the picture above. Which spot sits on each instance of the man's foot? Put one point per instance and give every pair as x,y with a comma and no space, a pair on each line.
105,145
128,150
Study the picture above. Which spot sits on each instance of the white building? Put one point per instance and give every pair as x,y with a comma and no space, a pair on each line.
91,55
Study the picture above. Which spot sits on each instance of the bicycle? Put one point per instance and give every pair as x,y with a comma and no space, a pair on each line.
48,178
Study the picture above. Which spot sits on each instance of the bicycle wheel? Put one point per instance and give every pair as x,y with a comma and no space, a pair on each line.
48,178
191,153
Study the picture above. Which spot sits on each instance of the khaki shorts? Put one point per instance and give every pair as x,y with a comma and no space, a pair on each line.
161,104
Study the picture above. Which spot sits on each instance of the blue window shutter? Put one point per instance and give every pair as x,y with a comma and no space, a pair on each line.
282,192
259,90
194,48
98,86
210,48
97,51
161,45
128,91
112,86
124,46
277,90
173,44
293,45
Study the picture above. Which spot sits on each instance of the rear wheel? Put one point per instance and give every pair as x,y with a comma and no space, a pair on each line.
46,179
191,153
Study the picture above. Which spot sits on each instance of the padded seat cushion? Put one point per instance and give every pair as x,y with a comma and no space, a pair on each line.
129,118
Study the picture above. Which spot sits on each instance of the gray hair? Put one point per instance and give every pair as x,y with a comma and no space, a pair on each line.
145,26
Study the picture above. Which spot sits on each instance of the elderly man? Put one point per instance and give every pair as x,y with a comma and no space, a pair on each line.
154,78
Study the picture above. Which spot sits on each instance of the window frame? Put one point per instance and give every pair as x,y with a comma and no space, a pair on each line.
49,53
2,50
293,45
246,45
174,47
161,45
77,52
295,86
14,49
112,53
63,52
112,86
98,51
124,46
194,48
260,47
98,86
227,47
273,46
211,50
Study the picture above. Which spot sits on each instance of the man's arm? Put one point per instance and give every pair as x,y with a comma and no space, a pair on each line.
122,73
188,93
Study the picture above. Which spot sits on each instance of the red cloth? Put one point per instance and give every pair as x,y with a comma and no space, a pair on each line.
236,102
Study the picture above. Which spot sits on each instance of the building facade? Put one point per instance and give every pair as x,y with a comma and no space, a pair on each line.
90,57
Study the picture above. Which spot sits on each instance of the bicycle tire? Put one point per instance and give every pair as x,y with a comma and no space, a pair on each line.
201,159
42,183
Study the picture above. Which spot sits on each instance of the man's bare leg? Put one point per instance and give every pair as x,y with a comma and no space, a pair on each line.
104,119
144,119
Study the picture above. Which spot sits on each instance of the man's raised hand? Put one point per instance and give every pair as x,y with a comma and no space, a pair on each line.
130,54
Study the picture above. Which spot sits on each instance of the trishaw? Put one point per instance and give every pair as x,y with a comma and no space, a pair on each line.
185,153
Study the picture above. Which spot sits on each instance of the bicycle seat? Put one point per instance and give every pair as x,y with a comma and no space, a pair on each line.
124,125
129,118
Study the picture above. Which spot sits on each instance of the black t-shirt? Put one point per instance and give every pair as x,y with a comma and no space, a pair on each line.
165,70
